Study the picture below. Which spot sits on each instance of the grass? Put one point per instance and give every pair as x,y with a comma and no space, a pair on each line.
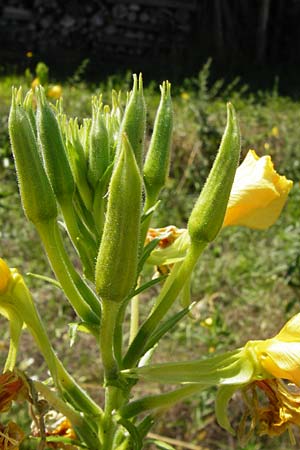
247,281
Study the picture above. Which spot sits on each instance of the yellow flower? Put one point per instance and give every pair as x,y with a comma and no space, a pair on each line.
11,436
273,411
55,91
5,276
258,193
280,355
185,96
29,54
36,82
276,374
275,132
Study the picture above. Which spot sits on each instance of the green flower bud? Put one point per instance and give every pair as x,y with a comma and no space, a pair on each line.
156,167
207,217
84,134
77,161
27,104
116,265
53,149
37,196
99,146
134,120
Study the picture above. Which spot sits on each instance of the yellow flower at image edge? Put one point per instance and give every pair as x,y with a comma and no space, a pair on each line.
279,407
258,193
280,355
5,276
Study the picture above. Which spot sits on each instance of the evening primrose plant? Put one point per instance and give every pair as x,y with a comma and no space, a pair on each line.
95,186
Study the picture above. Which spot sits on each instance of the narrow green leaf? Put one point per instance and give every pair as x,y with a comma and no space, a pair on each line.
167,326
146,253
44,278
148,285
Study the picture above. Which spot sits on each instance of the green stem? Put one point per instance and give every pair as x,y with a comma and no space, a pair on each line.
109,426
88,295
62,379
49,237
84,244
109,315
113,395
159,401
146,223
165,300
81,425
15,328
58,404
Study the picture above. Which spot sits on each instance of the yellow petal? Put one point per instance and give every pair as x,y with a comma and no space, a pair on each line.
290,331
280,359
258,193
5,276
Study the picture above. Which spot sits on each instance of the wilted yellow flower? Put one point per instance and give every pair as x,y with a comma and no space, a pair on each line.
55,91
277,360
273,411
5,276
11,436
258,193
12,387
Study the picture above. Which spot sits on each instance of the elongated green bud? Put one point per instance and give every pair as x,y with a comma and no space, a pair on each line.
53,149
156,167
84,134
27,104
134,120
78,162
208,214
99,146
118,254
37,196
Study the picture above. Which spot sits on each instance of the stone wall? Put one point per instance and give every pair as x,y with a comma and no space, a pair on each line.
110,33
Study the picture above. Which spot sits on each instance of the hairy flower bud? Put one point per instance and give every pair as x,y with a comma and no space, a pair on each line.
157,162
207,217
118,254
36,193
53,149
134,120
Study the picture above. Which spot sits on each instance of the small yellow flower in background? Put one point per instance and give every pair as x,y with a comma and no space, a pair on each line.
35,83
5,276
185,96
29,54
207,322
267,146
275,132
55,91
258,193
